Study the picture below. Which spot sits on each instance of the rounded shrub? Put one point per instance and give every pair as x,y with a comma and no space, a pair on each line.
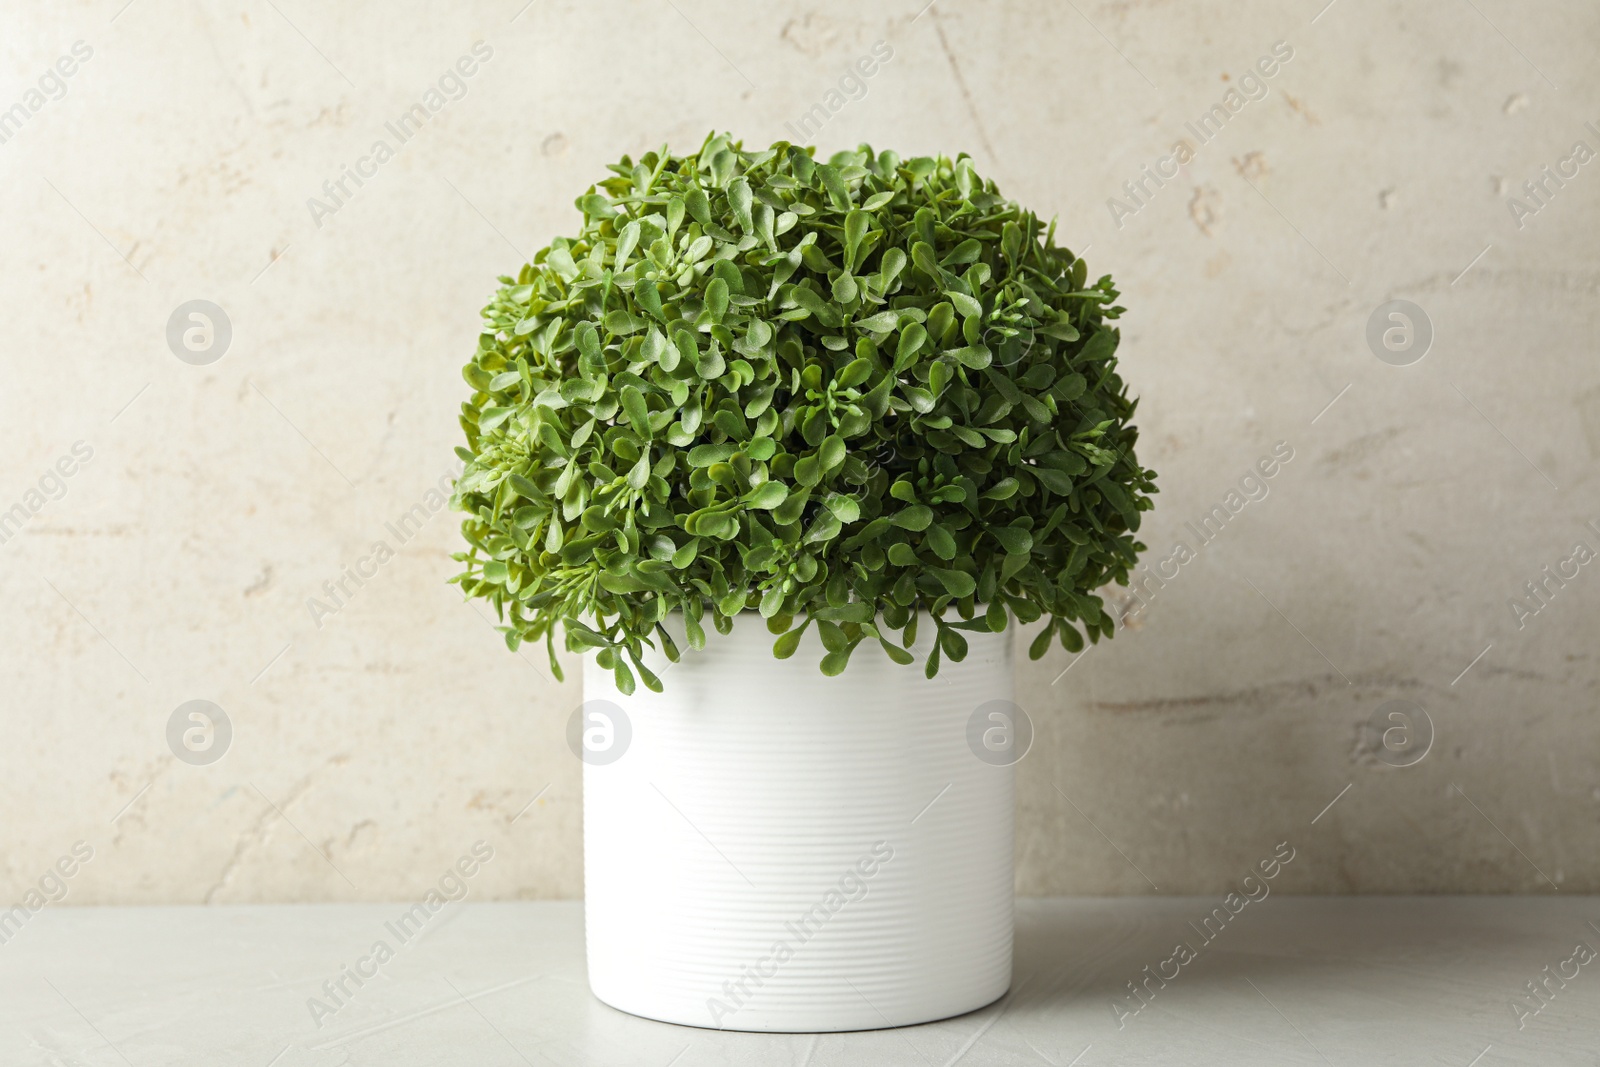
857,393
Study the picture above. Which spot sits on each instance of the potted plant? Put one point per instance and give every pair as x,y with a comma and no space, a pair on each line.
816,406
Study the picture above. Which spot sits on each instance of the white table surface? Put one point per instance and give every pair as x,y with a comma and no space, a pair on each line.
1329,981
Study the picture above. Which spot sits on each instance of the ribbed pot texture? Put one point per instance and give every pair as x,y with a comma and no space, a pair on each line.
777,850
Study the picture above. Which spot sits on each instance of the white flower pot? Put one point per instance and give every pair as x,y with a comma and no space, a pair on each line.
767,848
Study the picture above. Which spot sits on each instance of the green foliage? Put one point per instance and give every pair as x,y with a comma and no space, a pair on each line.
839,393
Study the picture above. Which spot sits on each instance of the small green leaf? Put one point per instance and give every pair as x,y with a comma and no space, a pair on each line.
688,352
964,304
954,645
838,191
808,471
789,511
648,296
915,518
1041,644
639,474
699,248
855,228
622,323
973,357
922,258
656,350
489,418
967,251
833,638
856,613
699,205
938,538
831,454
844,507
706,455
596,206
1100,346
912,338
896,653
1071,639
627,241
624,678
1004,489
717,299
1052,479
739,199
855,373
1014,540
882,322
711,363
834,663
686,555
694,631
785,646
560,261
956,583
638,413
767,496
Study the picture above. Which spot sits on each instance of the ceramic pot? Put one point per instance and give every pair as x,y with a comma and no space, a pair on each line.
767,848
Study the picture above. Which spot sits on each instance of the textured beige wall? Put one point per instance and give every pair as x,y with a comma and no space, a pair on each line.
371,751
